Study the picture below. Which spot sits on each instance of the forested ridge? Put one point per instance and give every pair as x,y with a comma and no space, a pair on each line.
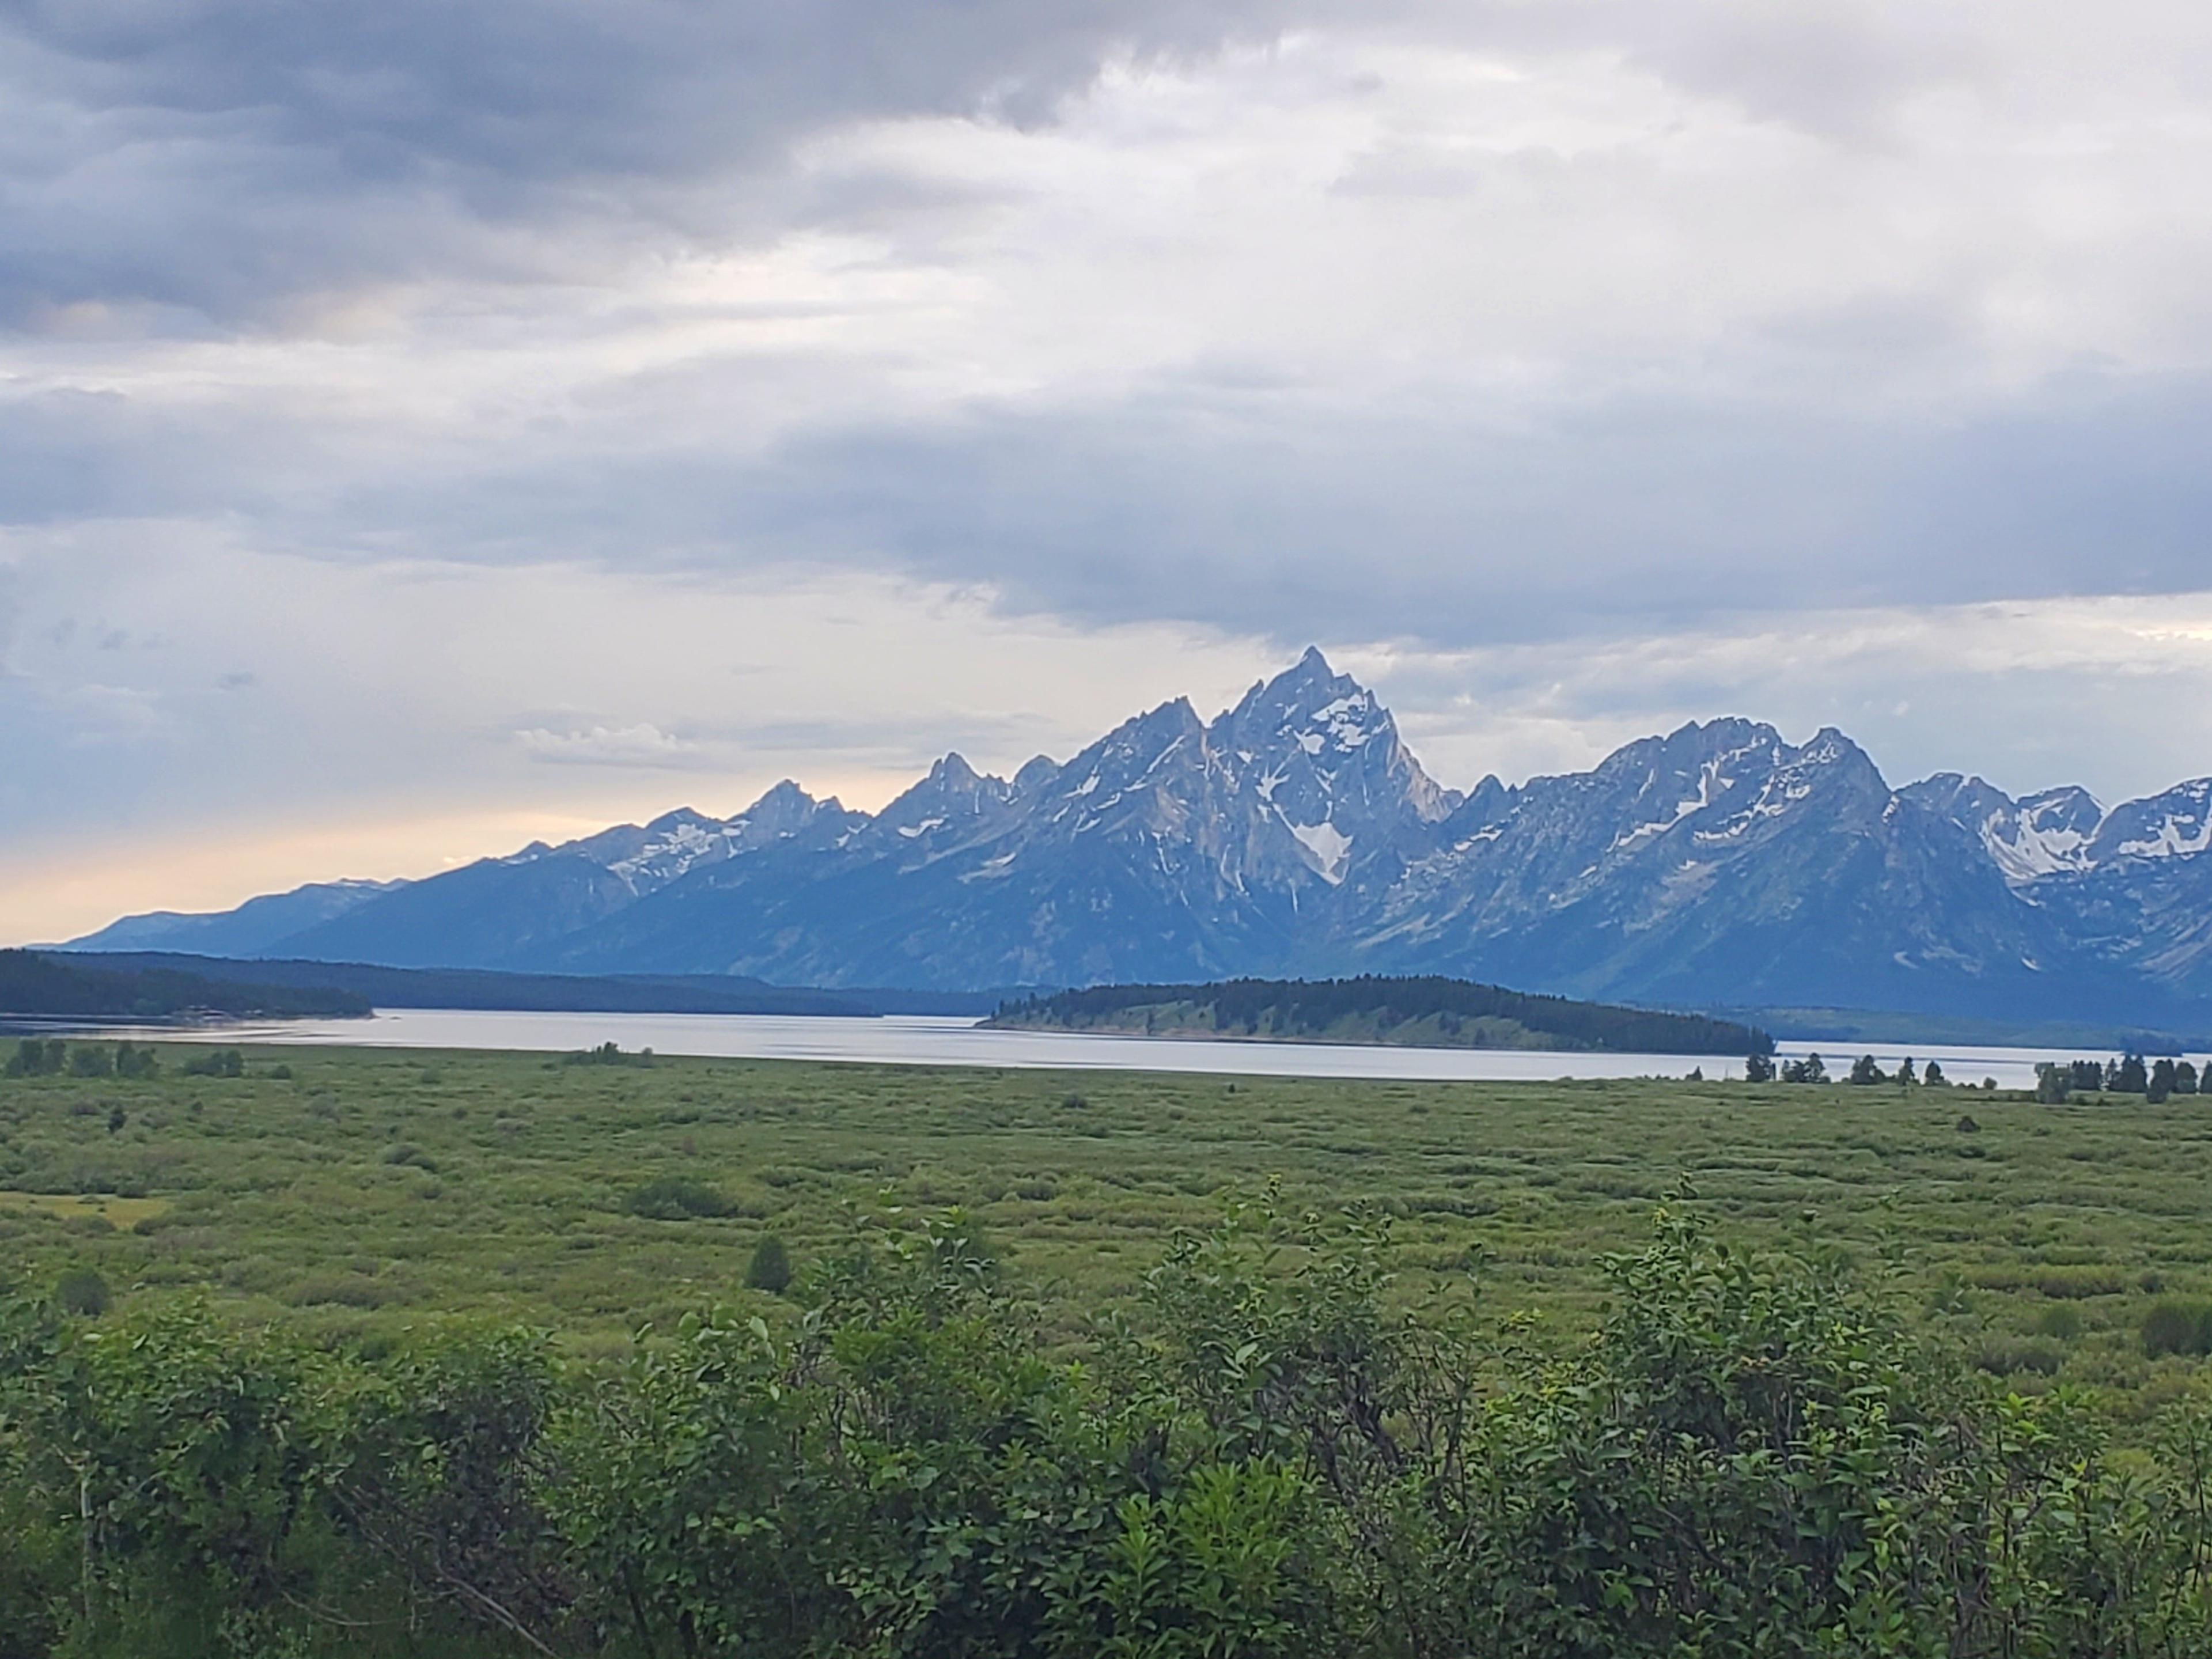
39,986
1267,1457
1429,1009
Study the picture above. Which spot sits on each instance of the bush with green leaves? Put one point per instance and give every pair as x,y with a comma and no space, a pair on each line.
677,1198
81,1291
2182,1327
1271,1453
218,1062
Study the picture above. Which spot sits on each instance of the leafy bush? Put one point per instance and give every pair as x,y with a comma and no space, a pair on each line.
2008,1356
81,1291
2063,1321
1271,1456
340,1289
677,1198
2183,1327
218,1062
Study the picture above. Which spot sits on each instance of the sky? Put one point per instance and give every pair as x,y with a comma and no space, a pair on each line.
425,429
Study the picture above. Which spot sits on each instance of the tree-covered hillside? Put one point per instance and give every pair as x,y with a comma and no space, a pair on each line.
1428,1012
36,986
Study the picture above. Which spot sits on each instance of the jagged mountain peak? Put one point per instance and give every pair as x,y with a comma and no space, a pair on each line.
1147,734
1322,785
2066,831
1130,753
2080,807
2038,835
682,817
1693,744
1303,696
953,770
2176,823
782,802
1296,832
952,796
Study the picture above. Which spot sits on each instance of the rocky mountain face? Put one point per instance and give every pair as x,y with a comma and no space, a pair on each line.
1295,833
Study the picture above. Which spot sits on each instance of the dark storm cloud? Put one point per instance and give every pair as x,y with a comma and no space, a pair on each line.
218,157
1647,512
1460,532
209,159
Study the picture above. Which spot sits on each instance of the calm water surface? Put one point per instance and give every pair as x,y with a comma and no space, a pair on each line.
921,1040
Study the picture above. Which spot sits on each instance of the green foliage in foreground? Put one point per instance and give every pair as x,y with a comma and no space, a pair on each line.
1749,1457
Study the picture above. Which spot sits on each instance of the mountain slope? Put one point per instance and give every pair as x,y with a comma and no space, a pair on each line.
1295,833
247,930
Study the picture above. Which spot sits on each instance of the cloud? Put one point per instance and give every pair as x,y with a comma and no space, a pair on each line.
642,744
2113,693
1481,324
219,158
540,400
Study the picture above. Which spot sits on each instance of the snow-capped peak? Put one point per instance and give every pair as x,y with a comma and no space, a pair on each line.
2175,824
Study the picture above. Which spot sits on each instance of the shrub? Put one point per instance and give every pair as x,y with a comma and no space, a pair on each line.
2183,1327
1269,1457
677,1198
81,1291
2071,1284
2007,1356
2063,1320
340,1289
770,1268
219,1062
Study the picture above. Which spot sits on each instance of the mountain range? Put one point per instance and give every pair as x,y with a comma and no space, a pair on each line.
1720,865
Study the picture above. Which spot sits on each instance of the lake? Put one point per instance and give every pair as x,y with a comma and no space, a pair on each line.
923,1040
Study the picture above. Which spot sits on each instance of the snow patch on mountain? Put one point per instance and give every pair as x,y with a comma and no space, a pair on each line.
2024,852
1331,848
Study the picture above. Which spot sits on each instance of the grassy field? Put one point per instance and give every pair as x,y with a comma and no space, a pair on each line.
372,1189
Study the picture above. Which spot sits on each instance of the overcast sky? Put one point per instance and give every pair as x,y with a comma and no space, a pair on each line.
424,427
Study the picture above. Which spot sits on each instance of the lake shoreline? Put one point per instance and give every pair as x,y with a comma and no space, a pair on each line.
943,1040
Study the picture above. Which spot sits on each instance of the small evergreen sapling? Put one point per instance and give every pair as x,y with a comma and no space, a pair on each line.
770,1268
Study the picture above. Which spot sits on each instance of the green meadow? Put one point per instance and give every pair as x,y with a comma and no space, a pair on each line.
354,1193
